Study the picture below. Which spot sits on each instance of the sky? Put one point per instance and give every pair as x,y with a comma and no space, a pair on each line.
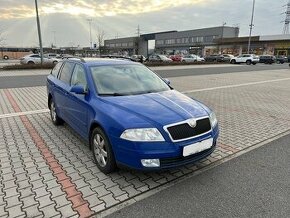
65,22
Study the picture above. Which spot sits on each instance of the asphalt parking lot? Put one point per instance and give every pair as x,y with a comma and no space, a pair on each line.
48,171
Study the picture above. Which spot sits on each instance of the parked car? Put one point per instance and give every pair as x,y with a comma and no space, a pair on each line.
138,58
281,59
35,59
159,58
267,59
129,115
192,58
176,58
245,58
214,58
228,57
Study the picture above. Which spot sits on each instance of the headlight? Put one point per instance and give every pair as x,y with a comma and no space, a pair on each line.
143,135
213,119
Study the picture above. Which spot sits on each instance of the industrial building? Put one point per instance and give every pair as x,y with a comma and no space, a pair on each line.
223,39
198,41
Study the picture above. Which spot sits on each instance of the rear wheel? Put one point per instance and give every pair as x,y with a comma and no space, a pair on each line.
5,57
248,62
30,62
56,120
102,150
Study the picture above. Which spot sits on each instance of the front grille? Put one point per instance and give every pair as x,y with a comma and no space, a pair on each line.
184,130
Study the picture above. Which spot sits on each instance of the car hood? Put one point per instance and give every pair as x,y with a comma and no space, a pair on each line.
161,108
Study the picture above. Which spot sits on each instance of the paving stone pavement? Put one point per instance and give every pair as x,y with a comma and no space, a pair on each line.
46,171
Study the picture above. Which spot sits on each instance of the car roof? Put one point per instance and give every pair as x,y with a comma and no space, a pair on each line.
102,61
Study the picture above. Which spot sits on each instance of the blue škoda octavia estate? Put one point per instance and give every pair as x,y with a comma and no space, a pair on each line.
129,115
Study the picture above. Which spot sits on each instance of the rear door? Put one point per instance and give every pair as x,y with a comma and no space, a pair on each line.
62,87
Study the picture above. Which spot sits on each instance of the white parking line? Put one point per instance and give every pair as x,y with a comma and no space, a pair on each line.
23,113
234,86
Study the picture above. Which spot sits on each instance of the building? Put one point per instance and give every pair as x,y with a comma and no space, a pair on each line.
260,45
223,39
200,41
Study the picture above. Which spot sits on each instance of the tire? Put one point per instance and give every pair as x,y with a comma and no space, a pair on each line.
254,63
233,61
56,120
102,151
248,62
6,57
30,62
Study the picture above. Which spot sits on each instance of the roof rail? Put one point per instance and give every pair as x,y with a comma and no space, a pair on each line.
76,58
117,57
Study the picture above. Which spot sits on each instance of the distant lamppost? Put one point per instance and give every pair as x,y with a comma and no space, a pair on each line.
39,32
91,41
251,27
222,37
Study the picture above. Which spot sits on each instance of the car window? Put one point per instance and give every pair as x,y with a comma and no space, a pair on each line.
56,69
126,80
35,56
66,72
79,76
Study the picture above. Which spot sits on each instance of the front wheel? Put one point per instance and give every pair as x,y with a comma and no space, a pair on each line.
233,61
248,62
102,150
56,120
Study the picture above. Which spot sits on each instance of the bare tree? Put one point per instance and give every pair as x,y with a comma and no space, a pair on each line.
2,39
100,38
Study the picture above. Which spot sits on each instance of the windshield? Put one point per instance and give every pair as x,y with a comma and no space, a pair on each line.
126,80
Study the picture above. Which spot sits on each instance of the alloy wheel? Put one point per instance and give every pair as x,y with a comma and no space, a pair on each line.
100,150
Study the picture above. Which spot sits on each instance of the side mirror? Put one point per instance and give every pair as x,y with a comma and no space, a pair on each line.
78,89
167,81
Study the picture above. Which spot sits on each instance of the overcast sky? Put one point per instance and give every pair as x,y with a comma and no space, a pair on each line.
65,22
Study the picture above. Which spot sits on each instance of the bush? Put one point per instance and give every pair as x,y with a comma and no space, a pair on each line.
28,67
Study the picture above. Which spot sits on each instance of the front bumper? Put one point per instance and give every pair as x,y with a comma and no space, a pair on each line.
129,154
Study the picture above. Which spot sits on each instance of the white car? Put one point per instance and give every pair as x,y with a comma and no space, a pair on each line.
245,58
159,58
35,59
192,58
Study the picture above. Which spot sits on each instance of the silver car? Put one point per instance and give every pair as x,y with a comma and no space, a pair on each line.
35,59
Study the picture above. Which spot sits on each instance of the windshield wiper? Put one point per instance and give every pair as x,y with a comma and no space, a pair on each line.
111,94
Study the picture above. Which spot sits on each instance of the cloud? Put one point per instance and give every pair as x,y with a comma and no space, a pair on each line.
92,8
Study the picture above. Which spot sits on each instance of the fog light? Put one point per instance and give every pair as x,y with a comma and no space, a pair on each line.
150,162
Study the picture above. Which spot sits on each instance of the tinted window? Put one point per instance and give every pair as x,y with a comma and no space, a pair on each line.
35,56
56,69
66,72
79,76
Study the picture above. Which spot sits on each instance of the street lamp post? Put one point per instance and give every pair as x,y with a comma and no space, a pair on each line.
39,32
222,38
91,41
251,27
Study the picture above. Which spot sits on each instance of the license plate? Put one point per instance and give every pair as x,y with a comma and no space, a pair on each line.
197,147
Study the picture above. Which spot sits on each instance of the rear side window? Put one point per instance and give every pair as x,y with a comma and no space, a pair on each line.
56,69
66,72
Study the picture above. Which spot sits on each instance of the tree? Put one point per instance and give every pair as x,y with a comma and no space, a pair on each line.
100,38
2,39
